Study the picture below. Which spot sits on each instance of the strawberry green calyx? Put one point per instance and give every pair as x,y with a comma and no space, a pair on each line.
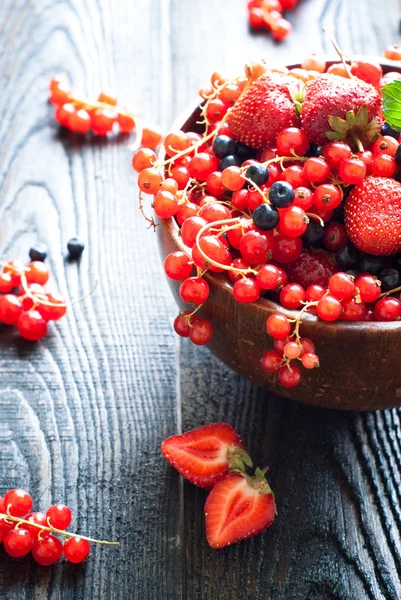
392,104
355,128
258,482
239,459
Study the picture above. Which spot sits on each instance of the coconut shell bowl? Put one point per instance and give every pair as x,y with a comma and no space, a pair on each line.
360,361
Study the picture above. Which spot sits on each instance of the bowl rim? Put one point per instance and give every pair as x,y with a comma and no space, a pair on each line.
172,228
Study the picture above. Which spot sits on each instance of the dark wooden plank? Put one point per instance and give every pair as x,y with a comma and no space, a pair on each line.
336,476
83,412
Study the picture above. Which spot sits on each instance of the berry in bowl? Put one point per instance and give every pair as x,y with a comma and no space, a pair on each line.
279,203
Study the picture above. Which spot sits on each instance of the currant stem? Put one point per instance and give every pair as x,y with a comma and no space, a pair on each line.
340,53
150,220
298,320
54,530
394,291
213,262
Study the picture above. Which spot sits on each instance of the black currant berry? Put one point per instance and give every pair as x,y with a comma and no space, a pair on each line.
313,236
258,174
397,155
371,264
75,247
223,146
390,279
265,217
347,257
38,252
232,160
388,130
245,152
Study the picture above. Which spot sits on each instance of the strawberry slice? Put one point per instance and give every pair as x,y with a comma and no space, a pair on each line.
206,454
238,507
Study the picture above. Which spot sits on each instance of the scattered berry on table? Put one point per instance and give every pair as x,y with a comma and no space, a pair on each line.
38,252
75,247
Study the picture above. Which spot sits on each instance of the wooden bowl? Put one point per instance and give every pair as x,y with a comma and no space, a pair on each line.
360,362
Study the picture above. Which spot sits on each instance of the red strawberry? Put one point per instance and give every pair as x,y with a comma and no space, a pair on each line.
263,112
373,216
238,507
205,455
312,267
327,101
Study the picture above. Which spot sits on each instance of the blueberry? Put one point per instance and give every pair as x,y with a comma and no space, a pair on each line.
245,152
38,252
75,247
347,257
388,130
371,264
258,173
390,279
223,146
397,155
313,150
232,160
265,217
281,194
313,236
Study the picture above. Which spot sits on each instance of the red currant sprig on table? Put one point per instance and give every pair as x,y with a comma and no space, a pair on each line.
100,116
268,14
23,531
31,307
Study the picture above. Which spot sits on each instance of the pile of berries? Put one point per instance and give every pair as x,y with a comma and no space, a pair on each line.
23,531
268,14
240,505
294,192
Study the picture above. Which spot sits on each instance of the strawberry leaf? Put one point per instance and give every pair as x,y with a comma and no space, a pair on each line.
392,104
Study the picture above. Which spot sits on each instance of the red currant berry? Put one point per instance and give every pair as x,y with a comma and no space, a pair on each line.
14,268
278,326
369,288
335,236
108,97
103,120
307,345
126,122
175,142
213,211
37,272
55,312
353,310
214,183
18,502
32,325
10,309
388,309
215,251
246,290
255,247
194,290
151,136
290,376
178,266
80,121
303,198
286,250
293,221
281,29
292,350
215,110
367,71
233,178
327,197
294,175
310,360
314,292
271,361
366,157
165,205
6,283
292,296
383,165
202,165
144,158
292,141
316,170
385,145
335,153
47,551
239,199
39,519
181,326
18,543
181,175
352,171
190,229
341,286
150,180
59,516
268,277
185,211
64,113
201,332
329,308
76,549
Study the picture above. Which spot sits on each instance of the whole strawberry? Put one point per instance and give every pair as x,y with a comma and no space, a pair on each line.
263,112
373,216
337,108
312,267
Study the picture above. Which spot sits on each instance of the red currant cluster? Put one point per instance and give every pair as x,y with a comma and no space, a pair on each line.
268,14
31,307
273,218
23,531
82,115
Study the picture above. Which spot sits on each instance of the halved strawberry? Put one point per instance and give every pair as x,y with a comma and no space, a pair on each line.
206,454
238,507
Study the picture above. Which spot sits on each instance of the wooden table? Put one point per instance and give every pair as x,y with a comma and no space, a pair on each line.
82,413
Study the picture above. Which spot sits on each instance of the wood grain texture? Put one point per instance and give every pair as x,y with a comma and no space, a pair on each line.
82,413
